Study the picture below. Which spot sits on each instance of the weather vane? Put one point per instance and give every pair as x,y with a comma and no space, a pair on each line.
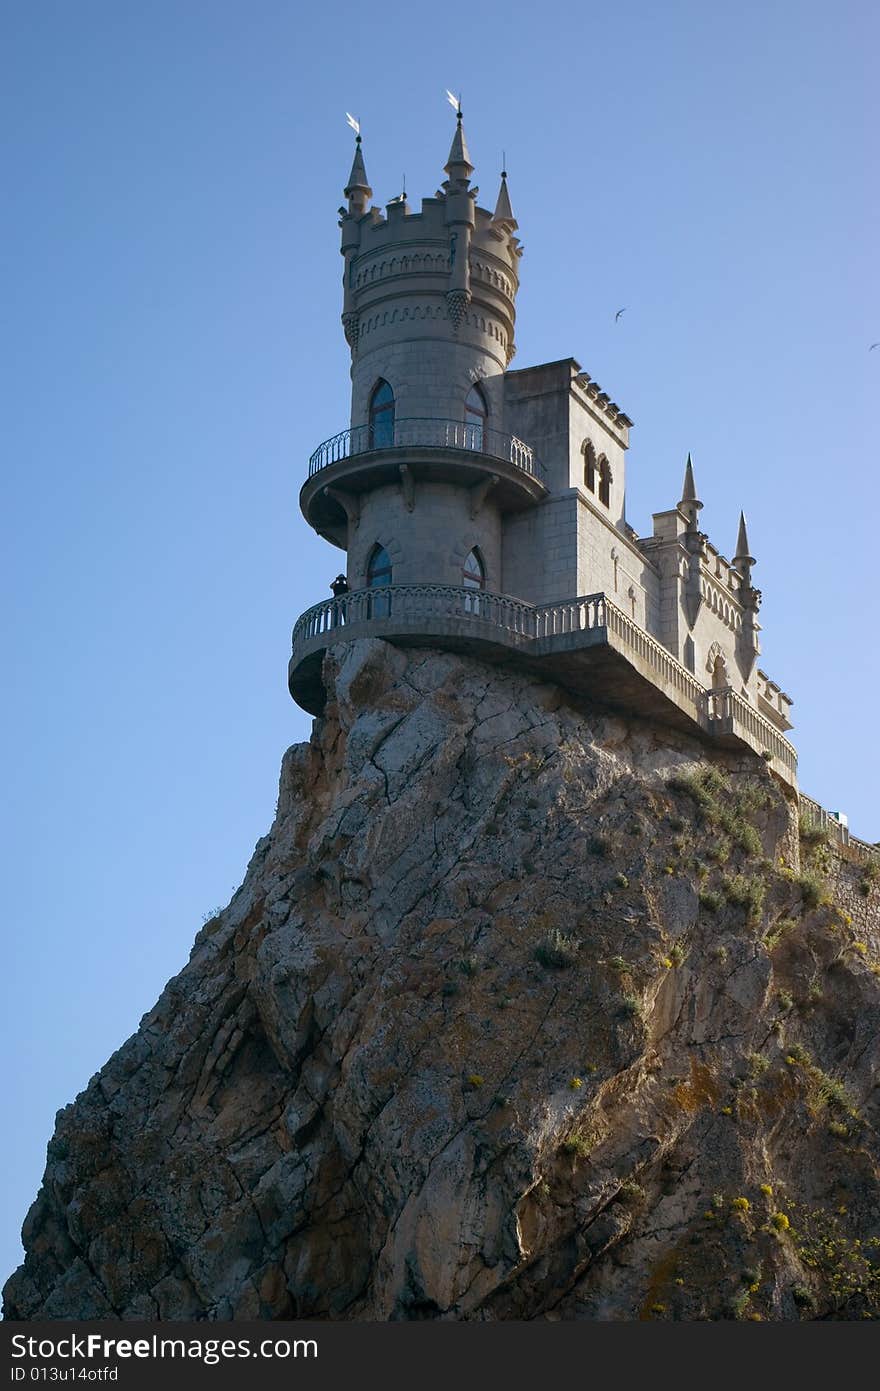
454,101
354,123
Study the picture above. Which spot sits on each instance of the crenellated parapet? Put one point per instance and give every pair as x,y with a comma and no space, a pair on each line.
443,277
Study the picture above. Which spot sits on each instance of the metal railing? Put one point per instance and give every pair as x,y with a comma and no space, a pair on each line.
426,433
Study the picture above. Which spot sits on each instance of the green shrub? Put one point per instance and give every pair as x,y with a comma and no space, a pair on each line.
677,954
711,900
745,893
777,932
618,964
810,834
702,786
557,951
576,1144
747,839
739,1303
812,890
631,1007
631,1193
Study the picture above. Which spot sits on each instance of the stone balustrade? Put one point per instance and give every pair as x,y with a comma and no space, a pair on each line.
485,622
838,833
729,713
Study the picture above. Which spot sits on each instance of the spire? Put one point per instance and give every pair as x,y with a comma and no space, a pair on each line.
690,504
458,165
357,190
742,544
503,210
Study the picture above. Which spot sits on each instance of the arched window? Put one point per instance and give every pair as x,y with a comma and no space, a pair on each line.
473,576
378,568
475,416
473,572
382,416
604,481
589,454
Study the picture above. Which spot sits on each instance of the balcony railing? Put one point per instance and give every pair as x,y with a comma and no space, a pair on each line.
409,604
733,715
837,831
431,434
401,607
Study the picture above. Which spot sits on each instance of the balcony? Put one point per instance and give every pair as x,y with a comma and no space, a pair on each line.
452,451
588,645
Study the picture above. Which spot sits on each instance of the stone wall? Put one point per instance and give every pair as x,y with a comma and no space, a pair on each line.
429,543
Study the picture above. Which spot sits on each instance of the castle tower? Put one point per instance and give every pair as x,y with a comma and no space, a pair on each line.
416,488
482,509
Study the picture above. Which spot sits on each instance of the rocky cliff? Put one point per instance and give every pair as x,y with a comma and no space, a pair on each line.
522,1011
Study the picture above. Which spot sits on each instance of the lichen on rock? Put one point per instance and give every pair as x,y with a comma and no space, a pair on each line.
524,1009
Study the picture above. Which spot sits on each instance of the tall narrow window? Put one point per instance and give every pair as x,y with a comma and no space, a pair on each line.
604,481
378,568
473,576
382,416
473,572
589,454
475,416
378,577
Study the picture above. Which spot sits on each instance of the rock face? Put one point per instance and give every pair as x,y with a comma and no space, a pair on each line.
523,1010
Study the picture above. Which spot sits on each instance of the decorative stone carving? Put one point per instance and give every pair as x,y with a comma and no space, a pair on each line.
350,329
457,302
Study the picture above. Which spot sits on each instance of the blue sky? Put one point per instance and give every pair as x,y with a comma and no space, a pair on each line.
173,354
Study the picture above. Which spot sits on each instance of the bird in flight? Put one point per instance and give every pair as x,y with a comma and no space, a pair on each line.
873,346
619,312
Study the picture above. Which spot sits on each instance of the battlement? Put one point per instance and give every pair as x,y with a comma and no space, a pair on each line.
449,271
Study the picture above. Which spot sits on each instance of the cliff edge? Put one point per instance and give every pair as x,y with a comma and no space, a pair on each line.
523,1010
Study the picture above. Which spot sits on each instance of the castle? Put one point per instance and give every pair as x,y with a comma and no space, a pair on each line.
482,509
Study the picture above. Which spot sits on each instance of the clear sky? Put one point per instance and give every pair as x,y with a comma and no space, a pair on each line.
172,354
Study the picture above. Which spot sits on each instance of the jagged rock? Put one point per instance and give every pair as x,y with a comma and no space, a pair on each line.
523,1010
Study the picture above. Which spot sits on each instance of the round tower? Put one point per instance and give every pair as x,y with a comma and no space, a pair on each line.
414,489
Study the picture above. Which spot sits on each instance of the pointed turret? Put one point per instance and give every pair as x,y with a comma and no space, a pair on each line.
503,211
458,165
742,556
743,561
357,190
690,504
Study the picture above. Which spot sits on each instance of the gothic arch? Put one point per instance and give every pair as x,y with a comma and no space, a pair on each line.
605,479
716,665
590,465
